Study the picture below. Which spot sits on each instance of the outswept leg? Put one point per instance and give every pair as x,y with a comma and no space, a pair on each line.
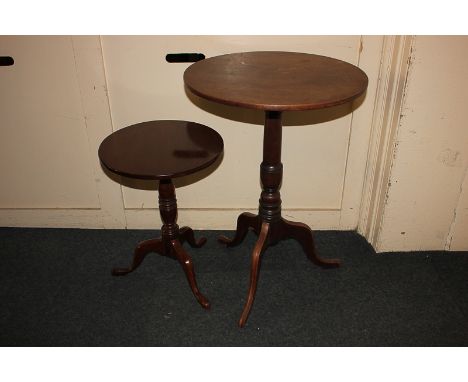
187,264
170,248
187,234
245,221
303,234
142,249
170,243
260,246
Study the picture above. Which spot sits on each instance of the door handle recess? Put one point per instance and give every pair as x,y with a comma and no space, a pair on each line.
6,61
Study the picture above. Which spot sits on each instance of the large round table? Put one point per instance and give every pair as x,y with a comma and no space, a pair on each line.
274,82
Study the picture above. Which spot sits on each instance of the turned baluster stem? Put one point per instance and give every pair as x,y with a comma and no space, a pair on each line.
271,169
168,210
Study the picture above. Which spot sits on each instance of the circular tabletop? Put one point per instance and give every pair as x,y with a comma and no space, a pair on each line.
276,81
160,149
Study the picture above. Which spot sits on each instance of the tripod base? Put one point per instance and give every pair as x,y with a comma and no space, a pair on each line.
270,233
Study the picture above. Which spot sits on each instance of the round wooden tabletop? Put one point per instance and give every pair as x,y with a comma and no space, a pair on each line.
276,81
160,149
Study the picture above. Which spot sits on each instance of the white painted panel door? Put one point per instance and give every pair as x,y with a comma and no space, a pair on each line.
54,113
44,153
324,152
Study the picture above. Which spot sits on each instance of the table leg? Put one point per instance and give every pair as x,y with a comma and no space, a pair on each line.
260,247
245,221
141,250
186,234
170,242
187,265
273,227
303,234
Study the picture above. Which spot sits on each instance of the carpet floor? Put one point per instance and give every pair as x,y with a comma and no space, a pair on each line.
56,290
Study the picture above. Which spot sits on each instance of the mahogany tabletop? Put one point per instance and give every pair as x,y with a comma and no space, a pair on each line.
160,149
276,81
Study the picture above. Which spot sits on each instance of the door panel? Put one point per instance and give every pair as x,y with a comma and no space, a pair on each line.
44,153
143,86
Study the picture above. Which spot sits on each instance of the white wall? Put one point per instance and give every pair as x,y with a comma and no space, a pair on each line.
55,112
44,152
323,151
114,81
426,203
396,167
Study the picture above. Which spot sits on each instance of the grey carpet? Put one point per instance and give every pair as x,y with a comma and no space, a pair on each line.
56,290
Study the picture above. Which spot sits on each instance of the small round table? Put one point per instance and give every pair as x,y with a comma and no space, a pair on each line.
162,150
274,82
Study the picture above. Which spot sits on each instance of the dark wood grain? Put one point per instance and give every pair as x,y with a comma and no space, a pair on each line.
160,149
245,221
276,81
170,242
269,224
260,247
